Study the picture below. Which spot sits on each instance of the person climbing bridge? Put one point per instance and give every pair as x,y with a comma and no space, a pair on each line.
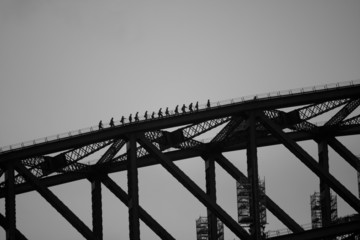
112,122
208,104
191,107
167,111
176,109
122,120
100,125
130,117
160,113
153,115
137,117
183,109
197,106
146,115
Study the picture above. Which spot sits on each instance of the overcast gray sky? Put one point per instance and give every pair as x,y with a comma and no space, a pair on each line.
65,65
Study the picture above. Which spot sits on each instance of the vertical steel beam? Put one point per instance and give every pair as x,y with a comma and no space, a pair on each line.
10,202
96,207
211,192
194,189
253,176
56,203
325,198
133,189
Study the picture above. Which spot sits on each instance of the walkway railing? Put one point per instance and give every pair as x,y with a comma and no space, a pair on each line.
308,226
284,231
201,107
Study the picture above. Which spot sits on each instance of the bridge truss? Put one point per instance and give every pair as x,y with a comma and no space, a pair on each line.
247,124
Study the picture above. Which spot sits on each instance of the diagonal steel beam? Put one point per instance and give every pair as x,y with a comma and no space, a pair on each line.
194,189
311,163
112,151
270,204
228,129
144,216
344,153
5,225
56,203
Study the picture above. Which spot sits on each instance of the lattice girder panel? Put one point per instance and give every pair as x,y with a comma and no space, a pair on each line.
343,113
354,121
180,138
298,119
44,165
73,157
314,110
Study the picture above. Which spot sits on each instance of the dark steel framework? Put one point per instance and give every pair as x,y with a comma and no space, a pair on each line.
245,125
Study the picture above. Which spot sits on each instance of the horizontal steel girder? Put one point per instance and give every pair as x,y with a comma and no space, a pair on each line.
194,189
173,155
311,163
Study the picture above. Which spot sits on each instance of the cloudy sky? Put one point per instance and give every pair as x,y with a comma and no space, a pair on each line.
65,65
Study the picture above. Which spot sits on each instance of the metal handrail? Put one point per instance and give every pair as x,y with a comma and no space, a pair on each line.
309,226
202,107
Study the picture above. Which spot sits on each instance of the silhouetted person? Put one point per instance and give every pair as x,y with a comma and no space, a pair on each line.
208,104
145,115
167,111
137,116
153,115
100,125
176,109
122,120
183,108
112,122
160,113
190,107
197,106
130,118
